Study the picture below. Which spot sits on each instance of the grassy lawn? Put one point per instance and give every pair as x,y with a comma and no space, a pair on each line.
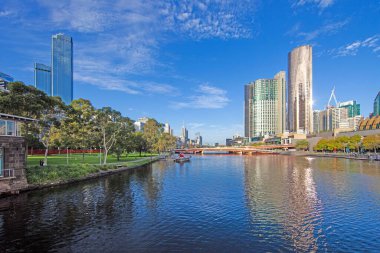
59,173
88,159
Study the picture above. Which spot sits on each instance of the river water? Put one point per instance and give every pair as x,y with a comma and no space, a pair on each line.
214,203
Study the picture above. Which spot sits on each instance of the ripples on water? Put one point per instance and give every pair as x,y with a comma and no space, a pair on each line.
213,204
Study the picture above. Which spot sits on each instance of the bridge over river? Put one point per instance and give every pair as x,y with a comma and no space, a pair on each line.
245,150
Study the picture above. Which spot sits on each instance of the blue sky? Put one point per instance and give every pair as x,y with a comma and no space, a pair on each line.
188,61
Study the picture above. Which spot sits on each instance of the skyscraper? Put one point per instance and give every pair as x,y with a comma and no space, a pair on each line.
185,135
62,67
300,90
42,78
376,105
265,106
352,107
167,128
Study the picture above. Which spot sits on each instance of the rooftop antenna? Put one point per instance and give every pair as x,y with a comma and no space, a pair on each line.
331,97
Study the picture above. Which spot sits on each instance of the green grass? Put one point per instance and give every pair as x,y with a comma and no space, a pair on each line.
88,159
59,173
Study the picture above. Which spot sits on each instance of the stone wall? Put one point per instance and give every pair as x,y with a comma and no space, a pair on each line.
14,158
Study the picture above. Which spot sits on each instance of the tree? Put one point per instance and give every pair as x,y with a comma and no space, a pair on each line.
152,132
139,142
79,125
354,142
371,142
124,139
110,123
49,121
26,101
165,142
302,145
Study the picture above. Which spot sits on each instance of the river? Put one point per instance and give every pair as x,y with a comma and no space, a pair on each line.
214,203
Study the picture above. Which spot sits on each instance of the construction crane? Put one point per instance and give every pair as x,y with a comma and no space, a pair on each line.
331,97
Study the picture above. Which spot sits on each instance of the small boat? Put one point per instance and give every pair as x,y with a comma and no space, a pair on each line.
182,159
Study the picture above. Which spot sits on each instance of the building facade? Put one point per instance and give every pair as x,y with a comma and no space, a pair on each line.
265,106
167,128
353,108
62,67
12,154
42,78
300,90
4,80
376,105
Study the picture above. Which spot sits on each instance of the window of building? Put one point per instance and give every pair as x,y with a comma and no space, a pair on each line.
1,162
3,126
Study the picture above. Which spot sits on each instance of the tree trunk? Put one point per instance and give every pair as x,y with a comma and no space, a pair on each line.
105,156
46,154
140,152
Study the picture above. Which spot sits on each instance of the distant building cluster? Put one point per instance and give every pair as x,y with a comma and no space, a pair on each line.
278,111
4,80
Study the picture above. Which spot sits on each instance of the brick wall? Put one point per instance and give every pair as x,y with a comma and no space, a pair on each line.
14,158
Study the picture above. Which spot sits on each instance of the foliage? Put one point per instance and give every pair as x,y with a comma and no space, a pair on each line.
302,145
339,144
371,142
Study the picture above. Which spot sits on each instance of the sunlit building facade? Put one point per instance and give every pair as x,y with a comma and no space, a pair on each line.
62,67
353,108
300,90
265,106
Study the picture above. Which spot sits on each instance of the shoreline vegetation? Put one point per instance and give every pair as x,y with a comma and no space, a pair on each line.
65,168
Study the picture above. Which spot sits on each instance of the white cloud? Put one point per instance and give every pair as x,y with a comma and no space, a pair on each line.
327,29
372,43
320,3
5,13
206,97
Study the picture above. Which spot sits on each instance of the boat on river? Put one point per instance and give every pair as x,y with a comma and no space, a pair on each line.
182,159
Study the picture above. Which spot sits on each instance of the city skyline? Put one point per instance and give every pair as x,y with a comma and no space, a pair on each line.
164,60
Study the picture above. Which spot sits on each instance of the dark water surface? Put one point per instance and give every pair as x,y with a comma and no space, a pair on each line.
212,204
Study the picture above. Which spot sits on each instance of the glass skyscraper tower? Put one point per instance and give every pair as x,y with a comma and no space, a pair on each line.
62,67
42,78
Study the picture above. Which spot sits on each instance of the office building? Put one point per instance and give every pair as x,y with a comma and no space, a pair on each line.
4,80
376,105
332,118
300,86
184,135
353,108
167,128
265,106
62,67
42,78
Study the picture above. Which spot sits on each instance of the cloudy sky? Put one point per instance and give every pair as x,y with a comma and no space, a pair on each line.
187,61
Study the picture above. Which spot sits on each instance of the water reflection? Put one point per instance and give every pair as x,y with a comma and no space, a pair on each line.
212,204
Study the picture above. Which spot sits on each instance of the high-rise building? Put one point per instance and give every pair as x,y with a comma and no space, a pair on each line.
4,80
300,91
376,105
185,135
167,128
330,119
352,107
62,67
42,78
265,106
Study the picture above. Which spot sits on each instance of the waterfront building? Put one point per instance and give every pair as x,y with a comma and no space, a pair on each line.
376,105
352,107
12,153
370,123
4,80
317,121
42,78
300,90
265,106
198,139
330,119
62,67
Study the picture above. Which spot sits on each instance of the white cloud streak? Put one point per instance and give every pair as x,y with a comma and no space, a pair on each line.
327,29
206,97
351,49
322,4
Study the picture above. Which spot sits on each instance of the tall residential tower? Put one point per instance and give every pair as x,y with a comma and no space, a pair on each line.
62,67
265,106
300,90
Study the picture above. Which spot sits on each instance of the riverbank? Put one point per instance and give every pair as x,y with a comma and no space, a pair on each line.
331,155
53,176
